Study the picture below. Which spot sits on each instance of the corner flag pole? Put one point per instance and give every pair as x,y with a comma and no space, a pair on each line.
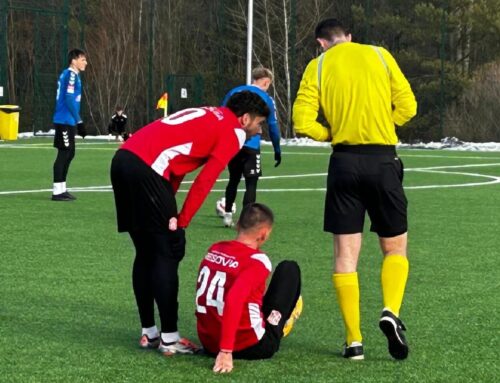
249,41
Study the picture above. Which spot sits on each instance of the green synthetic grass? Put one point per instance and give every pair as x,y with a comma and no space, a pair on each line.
67,311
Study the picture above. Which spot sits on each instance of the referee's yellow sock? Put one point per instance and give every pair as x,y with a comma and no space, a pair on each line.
347,288
394,276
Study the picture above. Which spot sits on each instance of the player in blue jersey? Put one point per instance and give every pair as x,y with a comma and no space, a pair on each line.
67,121
247,162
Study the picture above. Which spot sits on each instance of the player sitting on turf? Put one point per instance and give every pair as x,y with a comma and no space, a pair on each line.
236,316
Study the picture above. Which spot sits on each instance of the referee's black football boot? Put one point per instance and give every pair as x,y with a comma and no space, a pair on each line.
69,195
393,328
61,197
354,351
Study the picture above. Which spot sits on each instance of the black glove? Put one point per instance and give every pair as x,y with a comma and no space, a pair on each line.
178,243
277,158
80,128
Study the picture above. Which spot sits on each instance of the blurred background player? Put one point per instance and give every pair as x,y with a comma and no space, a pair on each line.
363,95
236,316
146,173
118,125
67,121
247,162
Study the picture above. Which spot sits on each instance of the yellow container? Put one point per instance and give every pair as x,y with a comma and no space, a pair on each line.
9,121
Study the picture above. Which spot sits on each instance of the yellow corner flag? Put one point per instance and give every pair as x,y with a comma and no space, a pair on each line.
163,102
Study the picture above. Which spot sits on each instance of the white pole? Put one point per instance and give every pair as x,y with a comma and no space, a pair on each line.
249,41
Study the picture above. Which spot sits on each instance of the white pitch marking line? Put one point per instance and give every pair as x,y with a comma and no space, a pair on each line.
434,169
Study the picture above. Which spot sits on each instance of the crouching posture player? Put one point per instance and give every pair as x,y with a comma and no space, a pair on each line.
236,316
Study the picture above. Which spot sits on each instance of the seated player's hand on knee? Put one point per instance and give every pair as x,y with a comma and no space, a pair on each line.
223,362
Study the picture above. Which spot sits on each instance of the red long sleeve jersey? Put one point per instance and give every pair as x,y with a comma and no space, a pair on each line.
231,285
184,141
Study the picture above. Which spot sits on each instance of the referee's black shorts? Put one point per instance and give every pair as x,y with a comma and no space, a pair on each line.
144,200
365,178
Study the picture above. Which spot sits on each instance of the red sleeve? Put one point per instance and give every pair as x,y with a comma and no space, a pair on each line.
235,299
199,190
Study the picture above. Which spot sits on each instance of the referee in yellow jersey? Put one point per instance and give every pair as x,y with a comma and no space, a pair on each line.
363,95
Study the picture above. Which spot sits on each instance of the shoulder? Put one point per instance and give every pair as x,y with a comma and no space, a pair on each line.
263,259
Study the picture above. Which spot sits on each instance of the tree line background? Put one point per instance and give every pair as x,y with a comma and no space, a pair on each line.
448,49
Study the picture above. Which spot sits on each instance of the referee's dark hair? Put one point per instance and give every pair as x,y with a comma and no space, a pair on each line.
328,28
74,54
247,102
253,215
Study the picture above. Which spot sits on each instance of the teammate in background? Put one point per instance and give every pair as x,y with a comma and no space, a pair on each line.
363,95
248,160
67,121
146,173
236,316
117,126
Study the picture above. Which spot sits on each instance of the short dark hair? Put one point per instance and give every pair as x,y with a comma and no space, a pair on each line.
255,214
328,28
247,102
261,72
74,54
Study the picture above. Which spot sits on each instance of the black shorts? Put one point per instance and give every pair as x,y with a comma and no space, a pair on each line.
64,138
246,163
365,178
144,200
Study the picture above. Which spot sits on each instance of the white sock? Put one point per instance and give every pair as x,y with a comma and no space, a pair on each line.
59,188
150,332
170,337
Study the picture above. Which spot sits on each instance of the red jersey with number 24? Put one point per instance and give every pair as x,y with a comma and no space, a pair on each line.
231,286
184,141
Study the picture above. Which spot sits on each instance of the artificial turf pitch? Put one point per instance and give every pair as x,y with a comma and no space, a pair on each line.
67,310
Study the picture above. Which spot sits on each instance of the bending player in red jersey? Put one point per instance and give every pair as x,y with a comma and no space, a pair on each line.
236,316
146,173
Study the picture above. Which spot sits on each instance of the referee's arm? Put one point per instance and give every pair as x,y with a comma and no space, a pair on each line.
306,106
403,99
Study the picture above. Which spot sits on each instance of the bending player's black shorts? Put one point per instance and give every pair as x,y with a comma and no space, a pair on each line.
247,163
144,200
365,178
64,137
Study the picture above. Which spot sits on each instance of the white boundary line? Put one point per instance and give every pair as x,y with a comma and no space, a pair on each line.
435,169
81,145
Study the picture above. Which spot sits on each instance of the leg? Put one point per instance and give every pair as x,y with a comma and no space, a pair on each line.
60,167
165,280
394,271
232,186
393,277
345,280
141,279
70,156
278,303
250,190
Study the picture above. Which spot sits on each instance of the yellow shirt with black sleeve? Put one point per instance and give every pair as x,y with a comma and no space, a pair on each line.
362,92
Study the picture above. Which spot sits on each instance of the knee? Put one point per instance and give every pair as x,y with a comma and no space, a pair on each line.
288,267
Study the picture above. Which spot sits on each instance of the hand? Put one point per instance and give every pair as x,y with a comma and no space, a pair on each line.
223,362
172,224
80,128
277,158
